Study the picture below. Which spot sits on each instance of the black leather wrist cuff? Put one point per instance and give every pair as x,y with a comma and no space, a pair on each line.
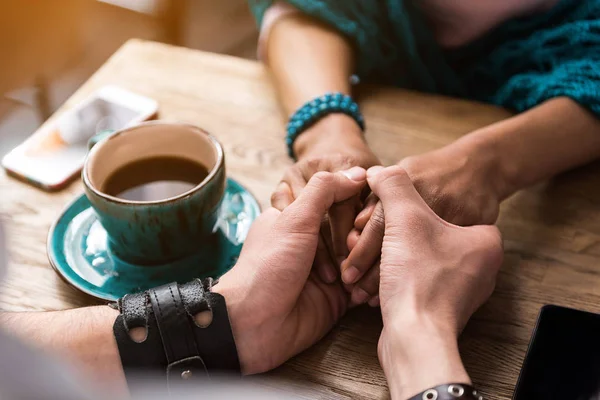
449,391
175,348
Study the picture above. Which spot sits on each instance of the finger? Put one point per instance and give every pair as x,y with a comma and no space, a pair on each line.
337,298
341,219
326,234
367,287
374,301
367,250
363,217
322,191
323,263
299,224
347,288
353,238
295,179
394,188
282,196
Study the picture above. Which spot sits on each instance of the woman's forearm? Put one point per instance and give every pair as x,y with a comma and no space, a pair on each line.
308,59
538,144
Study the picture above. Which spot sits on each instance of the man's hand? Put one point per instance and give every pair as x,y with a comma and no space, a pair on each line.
333,144
277,307
434,276
462,185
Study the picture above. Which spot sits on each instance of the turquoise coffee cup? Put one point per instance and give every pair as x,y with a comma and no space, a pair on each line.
165,230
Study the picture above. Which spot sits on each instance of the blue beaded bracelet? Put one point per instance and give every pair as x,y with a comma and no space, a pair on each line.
316,109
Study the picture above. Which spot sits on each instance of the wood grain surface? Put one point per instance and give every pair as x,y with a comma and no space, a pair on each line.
551,231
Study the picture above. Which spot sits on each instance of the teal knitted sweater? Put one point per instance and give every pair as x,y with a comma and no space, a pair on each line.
519,65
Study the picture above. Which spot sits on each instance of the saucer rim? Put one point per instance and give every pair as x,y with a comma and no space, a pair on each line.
50,253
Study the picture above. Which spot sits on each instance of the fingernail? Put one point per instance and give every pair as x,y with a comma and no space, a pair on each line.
362,213
374,170
340,260
374,301
359,296
350,274
355,174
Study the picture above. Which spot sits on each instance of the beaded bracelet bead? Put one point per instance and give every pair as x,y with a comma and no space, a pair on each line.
316,109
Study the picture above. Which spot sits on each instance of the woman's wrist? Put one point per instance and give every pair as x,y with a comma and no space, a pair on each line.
416,353
333,133
541,142
488,161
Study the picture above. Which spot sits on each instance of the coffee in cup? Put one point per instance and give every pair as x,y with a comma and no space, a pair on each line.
155,178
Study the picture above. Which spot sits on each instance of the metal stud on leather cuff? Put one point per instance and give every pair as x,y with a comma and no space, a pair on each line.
175,347
450,391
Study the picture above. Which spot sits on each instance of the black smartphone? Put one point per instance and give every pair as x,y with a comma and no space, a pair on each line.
563,359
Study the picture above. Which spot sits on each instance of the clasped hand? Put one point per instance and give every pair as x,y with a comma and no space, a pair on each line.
279,306
457,183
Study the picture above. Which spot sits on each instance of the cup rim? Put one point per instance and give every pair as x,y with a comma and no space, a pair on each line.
211,175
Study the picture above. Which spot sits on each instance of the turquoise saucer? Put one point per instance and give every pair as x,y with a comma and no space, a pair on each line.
78,249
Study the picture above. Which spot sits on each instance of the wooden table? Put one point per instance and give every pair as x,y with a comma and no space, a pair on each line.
551,231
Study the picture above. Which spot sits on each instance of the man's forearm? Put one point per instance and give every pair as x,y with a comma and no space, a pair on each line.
537,144
82,337
321,62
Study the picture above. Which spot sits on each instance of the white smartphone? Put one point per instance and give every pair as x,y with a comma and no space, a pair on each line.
54,154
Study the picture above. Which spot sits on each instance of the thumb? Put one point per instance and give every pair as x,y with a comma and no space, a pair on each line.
394,188
324,189
295,234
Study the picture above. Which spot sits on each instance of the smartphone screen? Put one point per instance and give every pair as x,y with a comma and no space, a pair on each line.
73,129
563,359
56,152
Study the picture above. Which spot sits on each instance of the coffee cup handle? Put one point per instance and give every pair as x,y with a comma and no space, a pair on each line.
99,136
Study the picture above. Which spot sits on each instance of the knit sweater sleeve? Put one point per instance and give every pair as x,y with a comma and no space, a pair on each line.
534,60
578,79
388,36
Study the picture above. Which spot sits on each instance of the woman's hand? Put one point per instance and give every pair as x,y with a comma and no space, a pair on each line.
335,143
465,181
461,186
459,182
434,276
276,305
